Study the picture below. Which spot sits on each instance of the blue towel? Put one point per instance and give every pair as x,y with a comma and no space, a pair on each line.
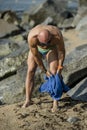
55,86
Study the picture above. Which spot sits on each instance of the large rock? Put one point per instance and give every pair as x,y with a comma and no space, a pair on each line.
67,24
82,24
83,2
48,8
81,12
9,64
79,92
10,17
48,21
75,65
7,47
82,28
12,88
66,19
19,39
8,29
13,72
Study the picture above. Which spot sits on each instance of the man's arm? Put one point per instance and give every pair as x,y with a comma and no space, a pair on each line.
61,54
37,57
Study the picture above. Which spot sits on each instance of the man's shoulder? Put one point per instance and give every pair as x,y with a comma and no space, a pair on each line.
34,31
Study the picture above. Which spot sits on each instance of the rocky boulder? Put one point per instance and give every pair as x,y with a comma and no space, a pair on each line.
10,63
7,47
8,29
81,12
75,65
48,8
82,28
12,85
79,92
83,2
10,17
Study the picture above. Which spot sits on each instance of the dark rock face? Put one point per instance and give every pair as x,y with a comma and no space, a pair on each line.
75,65
79,92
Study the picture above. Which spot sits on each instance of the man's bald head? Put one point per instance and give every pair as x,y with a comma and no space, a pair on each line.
44,36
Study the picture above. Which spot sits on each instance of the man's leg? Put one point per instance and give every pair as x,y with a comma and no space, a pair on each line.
52,58
30,79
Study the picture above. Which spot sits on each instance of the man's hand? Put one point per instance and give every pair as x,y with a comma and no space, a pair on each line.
48,74
59,72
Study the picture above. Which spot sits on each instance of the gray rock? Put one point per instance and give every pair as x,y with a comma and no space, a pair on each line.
48,20
10,17
83,2
79,92
12,88
10,63
72,119
82,34
25,18
82,11
7,47
82,23
19,39
7,29
31,23
67,24
4,50
13,74
75,65
82,28
48,8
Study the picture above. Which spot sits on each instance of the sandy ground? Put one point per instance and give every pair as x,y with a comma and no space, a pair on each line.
71,115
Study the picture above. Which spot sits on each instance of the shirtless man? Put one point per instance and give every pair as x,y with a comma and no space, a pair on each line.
47,41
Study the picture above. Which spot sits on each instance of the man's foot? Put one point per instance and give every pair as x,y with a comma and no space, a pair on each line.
26,104
54,109
55,106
